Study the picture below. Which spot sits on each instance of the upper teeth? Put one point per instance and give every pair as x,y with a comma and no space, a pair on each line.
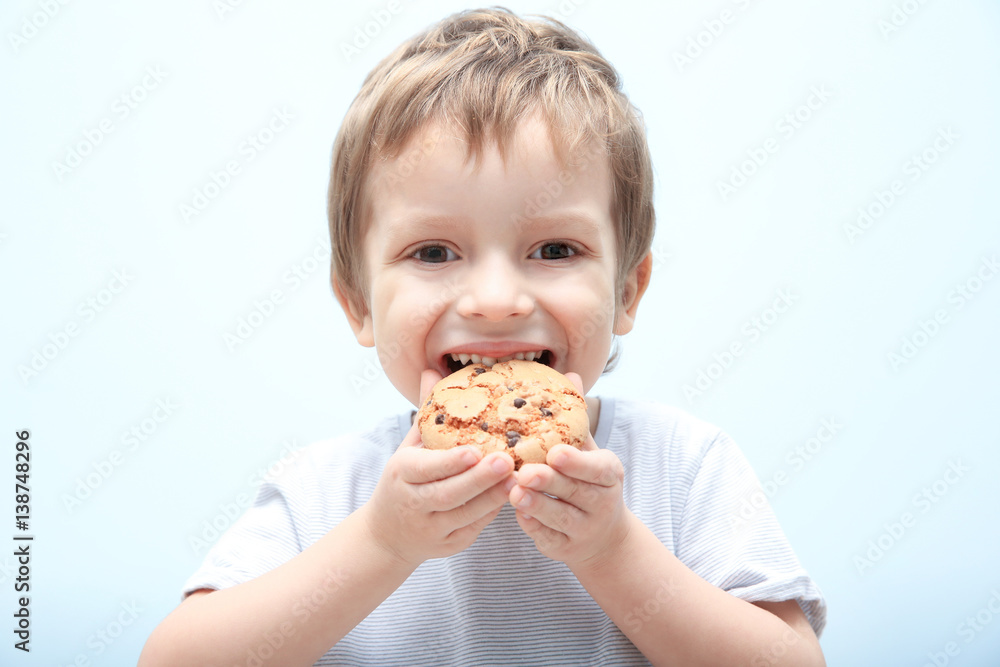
489,361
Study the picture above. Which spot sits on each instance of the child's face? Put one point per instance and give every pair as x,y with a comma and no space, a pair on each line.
493,263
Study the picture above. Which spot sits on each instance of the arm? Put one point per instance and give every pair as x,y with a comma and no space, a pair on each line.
292,614
427,504
673,616
677,618
574,511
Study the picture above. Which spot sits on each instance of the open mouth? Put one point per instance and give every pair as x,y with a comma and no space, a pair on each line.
456,362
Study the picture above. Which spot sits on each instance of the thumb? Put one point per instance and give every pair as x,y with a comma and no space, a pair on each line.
578,383
576,380
428,379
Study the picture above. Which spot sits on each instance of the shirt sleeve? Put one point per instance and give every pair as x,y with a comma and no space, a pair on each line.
263,538
730,536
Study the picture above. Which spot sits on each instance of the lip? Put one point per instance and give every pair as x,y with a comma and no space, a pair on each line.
492,349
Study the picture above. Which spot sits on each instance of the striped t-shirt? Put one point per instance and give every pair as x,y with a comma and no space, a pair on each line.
500,601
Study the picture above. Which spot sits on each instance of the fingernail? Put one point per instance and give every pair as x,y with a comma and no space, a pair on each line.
534,483
469,458
509,484
499,465
559,459
524,500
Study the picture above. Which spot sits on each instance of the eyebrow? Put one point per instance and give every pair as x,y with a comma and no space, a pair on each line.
403,225
576,221
402,229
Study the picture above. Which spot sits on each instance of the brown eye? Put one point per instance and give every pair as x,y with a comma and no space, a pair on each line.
434,254
554,251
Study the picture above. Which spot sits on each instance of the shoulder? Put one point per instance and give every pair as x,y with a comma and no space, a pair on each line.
665,450
314,488
646,425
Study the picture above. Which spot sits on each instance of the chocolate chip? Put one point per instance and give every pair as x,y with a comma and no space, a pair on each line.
439,419
480,370
546,412
512,438
519,402
484,426
510,388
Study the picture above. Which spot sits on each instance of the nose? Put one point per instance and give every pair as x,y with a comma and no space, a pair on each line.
496,289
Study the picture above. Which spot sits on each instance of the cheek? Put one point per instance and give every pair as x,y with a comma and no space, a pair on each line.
403,312
398,346
588,309
431,303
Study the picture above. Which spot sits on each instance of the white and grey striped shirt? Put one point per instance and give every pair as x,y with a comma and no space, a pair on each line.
501,602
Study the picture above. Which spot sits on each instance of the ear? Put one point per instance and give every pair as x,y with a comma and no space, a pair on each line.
635,286
358,317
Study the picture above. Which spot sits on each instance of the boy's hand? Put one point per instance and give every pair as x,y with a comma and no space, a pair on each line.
586,520
434,503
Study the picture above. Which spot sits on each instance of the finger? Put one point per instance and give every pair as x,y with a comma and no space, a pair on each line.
428,379
578,383
545,479
546,539
576,380
475,509
551,512
599,467
422,466
412,437
468,533
451,492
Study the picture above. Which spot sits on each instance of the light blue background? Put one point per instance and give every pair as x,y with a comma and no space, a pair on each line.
719,264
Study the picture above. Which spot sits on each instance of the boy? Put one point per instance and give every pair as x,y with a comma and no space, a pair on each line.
490,197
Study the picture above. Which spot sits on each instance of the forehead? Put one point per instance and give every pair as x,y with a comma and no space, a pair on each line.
531,179
534,133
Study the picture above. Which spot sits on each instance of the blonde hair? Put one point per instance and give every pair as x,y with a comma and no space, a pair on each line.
481,72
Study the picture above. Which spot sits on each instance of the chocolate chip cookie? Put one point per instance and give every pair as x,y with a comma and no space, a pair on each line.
523,408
